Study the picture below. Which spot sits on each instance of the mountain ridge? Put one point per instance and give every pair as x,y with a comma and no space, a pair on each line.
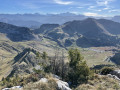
91,29
15,33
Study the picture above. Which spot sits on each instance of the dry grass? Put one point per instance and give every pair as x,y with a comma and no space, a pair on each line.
7,53
50,85
96,56
100,83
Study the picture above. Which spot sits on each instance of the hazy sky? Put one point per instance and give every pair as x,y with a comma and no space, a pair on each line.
86,7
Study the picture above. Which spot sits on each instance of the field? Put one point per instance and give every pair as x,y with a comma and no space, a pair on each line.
97,55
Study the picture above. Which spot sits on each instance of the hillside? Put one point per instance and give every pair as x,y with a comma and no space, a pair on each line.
21,52
86,33
15,33
45,28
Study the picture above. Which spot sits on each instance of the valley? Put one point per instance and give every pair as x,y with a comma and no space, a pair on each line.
59,45
22,49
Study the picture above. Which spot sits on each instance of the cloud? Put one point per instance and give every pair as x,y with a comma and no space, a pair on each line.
99,10
106,8
63,2
91,14
92,7
103,2
115,10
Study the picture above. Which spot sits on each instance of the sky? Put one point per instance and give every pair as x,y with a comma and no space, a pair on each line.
84,7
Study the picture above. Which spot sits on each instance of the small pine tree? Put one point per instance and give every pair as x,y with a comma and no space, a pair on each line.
79,71
75,57
44,55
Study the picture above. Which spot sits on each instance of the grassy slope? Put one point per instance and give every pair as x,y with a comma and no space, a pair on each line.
92,56
100,83
7,53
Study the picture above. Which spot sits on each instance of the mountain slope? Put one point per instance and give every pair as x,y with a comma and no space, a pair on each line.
111,26
88,32
15,33
45,28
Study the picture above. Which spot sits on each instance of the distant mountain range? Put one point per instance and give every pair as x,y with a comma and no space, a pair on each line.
116,19
23,23
35,20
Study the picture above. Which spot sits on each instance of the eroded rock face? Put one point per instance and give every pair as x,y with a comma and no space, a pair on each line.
25,62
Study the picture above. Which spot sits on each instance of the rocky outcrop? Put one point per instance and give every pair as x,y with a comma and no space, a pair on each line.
26,61
116,73
61,84
113,76
13,88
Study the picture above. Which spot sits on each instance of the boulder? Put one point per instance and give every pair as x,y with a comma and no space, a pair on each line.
63,85
13,88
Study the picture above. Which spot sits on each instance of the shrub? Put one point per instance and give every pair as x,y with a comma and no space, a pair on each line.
106,70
